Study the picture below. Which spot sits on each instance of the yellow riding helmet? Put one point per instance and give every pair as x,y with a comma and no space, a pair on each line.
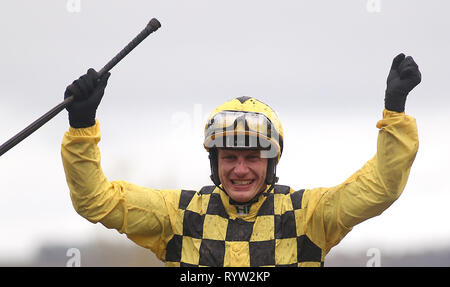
244,123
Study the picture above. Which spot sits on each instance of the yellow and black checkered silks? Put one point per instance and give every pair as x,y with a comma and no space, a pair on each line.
211,237
284,227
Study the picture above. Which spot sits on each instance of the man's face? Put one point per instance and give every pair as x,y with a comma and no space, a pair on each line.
242,173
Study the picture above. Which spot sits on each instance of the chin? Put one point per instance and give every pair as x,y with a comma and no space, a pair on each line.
241,196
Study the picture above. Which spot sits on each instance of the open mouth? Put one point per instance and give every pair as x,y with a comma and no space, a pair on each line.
242,182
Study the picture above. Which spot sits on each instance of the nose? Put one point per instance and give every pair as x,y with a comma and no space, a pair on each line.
241,168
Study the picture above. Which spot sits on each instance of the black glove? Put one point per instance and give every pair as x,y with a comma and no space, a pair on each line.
88,92
403,77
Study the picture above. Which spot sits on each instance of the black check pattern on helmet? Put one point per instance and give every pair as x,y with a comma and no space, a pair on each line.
243,99
261,252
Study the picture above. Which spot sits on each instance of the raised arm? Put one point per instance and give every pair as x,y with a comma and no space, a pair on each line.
145,215
332,212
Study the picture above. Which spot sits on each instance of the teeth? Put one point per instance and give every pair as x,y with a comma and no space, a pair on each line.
242,182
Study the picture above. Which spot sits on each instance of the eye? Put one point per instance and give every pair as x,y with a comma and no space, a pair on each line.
253,157
229,157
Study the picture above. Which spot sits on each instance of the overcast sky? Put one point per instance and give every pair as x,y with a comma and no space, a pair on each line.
322,65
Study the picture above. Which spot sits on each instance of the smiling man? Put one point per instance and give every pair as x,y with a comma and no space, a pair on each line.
242,173
245,218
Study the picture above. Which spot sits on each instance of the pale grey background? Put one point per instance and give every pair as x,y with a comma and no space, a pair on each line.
322,65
